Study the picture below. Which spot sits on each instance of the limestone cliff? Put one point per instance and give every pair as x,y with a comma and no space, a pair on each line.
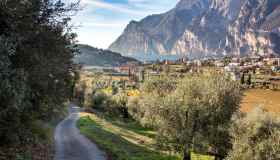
200,28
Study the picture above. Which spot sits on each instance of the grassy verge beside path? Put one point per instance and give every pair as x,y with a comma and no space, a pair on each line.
121,141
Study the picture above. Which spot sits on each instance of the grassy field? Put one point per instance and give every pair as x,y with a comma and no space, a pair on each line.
122,141
268,99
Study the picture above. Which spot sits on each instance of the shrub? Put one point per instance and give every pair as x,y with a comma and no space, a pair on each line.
115,105
134,108
255,135
100,100
120,105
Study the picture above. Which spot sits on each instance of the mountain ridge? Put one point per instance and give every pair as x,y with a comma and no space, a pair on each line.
91,56
199,28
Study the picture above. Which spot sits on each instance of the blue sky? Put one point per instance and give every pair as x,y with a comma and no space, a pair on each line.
102,21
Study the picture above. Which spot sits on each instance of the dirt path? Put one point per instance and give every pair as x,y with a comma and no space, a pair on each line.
70,144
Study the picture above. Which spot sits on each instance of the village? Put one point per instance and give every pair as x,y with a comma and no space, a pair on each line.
252,71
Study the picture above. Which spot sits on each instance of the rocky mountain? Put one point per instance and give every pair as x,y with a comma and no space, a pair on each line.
256,29
199,28
91,56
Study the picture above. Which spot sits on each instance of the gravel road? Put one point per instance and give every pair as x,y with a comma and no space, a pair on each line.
70,144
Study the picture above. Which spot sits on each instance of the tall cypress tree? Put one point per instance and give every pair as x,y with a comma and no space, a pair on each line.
249,80
243,78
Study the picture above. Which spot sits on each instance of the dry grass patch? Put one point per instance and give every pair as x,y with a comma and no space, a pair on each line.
125,131
268,99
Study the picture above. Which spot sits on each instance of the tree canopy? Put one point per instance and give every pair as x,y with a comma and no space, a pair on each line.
36,67
190,114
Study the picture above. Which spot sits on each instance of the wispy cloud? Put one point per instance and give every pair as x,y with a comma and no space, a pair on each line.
104,24
114,7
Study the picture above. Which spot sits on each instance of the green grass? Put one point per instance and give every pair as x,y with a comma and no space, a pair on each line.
135,127
201,157
131,125
120,141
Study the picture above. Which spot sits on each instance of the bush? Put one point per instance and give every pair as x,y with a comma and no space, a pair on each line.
115,105
100,100
119,106
255,135
134,108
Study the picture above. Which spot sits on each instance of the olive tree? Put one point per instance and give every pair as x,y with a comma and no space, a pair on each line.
196,117
255,135
145,108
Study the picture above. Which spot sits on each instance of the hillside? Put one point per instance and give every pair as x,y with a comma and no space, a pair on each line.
91,56
199,28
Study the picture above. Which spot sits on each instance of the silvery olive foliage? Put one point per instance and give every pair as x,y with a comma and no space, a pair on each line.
190,114
255,135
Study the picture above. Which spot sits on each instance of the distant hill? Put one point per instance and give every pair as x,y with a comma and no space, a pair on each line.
91,56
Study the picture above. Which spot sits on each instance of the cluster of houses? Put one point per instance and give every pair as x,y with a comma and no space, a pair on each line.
266,69
234,66
134,71
251,62
262,65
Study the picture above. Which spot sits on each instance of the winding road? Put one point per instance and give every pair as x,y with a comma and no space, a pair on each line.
70,144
